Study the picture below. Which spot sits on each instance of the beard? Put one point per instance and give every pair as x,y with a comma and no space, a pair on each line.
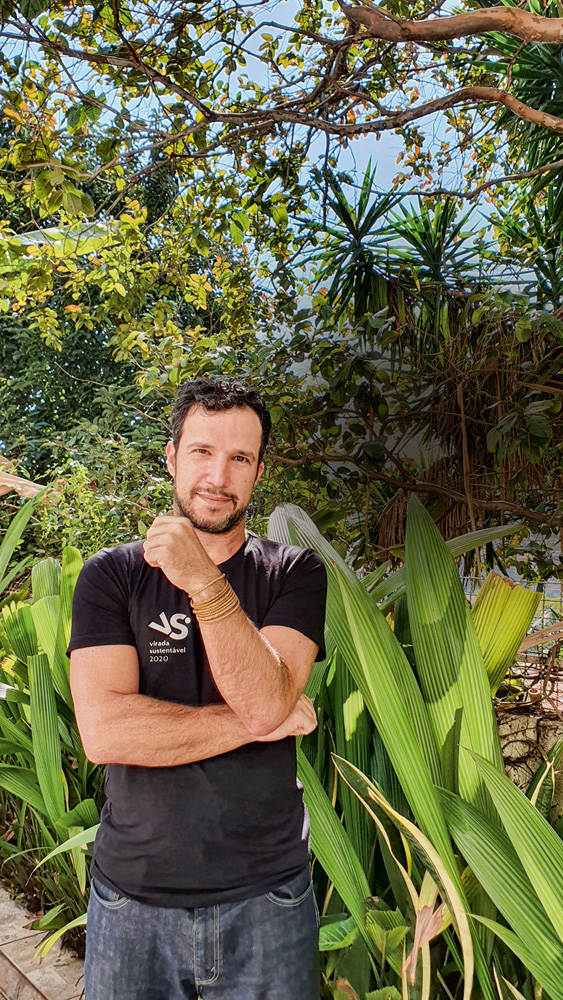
208,524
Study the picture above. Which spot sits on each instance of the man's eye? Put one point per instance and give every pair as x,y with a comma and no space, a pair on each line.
241,458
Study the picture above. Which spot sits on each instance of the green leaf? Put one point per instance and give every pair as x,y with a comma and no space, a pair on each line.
387,993
45,947
30,9
496,864
395,583
449,754
332,847
279,214
19,781
338,934
448,656
45,579
20,631
13,534
451,892
525,953
71,566
77,840
237,234
502,615
45,734
537,845
542,786
85,814
75,116
87,205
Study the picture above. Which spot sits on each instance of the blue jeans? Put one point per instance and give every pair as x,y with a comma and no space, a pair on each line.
258,949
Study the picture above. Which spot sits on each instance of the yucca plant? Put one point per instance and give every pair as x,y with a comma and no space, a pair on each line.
54,789
425,682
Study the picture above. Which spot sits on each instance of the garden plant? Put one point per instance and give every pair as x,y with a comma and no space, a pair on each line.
434,873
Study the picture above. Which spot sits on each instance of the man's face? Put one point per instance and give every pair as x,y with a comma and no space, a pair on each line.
215,466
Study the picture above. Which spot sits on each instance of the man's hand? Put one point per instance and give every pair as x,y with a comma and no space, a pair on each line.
300,721
173,546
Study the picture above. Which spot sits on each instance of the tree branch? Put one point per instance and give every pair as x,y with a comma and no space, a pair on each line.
509,20
416,486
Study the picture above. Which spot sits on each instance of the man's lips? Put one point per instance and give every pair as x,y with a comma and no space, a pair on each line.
213,500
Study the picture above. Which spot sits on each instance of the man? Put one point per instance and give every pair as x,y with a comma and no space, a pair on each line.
190,653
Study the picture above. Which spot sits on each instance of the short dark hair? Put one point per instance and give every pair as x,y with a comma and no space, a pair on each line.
219,394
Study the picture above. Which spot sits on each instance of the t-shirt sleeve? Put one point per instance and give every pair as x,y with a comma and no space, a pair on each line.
301,602
100,606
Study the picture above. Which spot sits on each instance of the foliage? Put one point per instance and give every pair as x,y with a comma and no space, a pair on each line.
226,83
410,749
50,791
411,695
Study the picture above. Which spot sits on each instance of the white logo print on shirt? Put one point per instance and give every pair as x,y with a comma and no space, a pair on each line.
166,627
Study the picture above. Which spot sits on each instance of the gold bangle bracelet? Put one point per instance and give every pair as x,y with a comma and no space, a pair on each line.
218,607
211,582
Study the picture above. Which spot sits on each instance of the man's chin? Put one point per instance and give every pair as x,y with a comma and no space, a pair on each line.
212,525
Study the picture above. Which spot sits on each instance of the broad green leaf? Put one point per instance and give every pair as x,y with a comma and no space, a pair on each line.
451,894
45,947
85,814
77,840
332,847
353,731
338,934
496,864
13,534
380,670
448,657
78,858
542,786
45,735
47,617
45,579
399,719
395,583
17,622
20,781
537,845
71,566
45,614
502,615
49,918
388,929
525,952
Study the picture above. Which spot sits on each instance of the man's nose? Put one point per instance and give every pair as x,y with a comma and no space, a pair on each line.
218,472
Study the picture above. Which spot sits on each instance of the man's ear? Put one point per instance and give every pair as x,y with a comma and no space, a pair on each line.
259,473
171,459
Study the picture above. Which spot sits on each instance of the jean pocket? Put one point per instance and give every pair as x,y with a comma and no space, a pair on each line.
293,892
109,898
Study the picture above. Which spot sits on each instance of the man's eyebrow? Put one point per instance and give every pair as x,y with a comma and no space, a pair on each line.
237,451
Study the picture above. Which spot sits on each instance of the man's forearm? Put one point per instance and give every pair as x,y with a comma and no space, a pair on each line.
249,673
146,732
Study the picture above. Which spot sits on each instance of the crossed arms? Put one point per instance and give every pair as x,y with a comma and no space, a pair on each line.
120,726
260,674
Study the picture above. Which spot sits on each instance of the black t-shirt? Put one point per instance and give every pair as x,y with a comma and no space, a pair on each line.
222,829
